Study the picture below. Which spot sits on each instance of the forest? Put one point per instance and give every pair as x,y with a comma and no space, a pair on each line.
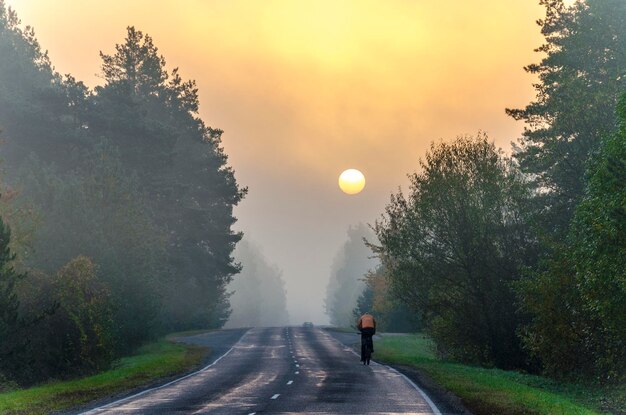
517,262
117,209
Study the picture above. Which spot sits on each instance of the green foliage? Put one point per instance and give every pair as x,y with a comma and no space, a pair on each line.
453,247
151,362
127,175
10,323
70,329
98,211
349,268
392,315
578,301
494,391
151,115
580,80
84,302
36,110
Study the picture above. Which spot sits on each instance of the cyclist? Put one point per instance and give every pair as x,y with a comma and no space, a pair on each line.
367,326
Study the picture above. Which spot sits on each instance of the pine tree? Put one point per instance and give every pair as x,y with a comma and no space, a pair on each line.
580,81
152,116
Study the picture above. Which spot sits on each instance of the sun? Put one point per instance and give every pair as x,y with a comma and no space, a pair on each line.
351,181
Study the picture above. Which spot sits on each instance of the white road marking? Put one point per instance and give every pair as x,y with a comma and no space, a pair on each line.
297,365
430,403
275,396
290,382
297,373
100,408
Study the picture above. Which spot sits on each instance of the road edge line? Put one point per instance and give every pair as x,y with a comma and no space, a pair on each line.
110,404
429,401
426,398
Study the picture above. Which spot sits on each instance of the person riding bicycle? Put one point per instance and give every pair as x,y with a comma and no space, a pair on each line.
367,326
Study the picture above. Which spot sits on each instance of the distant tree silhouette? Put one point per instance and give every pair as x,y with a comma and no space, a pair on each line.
349,268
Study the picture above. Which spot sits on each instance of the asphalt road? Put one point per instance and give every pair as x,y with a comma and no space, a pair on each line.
279,371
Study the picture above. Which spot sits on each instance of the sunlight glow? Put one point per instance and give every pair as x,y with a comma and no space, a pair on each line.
351,181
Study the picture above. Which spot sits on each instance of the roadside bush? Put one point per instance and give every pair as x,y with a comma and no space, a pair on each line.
10,322
85,312
70,329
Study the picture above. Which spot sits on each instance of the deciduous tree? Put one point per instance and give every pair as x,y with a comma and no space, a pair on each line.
455,244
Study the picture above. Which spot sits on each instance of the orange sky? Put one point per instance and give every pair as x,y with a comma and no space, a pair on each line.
306,89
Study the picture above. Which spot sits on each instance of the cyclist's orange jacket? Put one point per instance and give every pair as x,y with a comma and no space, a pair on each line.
366,321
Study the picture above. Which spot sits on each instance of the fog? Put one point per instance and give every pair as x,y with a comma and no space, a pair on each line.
352,262
172,166
258,292
302,96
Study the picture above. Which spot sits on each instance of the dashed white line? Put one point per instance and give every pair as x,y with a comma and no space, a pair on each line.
275,396
290,382
128,398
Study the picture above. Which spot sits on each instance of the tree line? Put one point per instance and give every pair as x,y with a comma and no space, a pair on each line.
357,284
259,297
117,208
519,262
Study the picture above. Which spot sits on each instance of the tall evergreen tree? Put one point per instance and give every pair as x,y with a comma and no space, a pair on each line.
580,80
152,116
578,301
37,106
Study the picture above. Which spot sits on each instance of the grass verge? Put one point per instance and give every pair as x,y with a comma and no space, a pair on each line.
154,361
493,391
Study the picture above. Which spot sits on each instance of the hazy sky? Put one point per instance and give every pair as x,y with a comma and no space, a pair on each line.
306,89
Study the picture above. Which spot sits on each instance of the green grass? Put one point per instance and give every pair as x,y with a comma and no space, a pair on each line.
173,336
493,391
153,361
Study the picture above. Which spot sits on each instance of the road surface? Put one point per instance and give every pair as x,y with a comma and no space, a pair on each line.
281,370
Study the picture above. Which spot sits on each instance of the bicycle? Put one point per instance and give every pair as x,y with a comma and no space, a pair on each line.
367,348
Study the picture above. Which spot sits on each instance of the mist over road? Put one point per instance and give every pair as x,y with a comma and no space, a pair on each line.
280,370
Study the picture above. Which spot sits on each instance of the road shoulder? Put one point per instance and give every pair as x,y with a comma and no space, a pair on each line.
214,342
447,402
